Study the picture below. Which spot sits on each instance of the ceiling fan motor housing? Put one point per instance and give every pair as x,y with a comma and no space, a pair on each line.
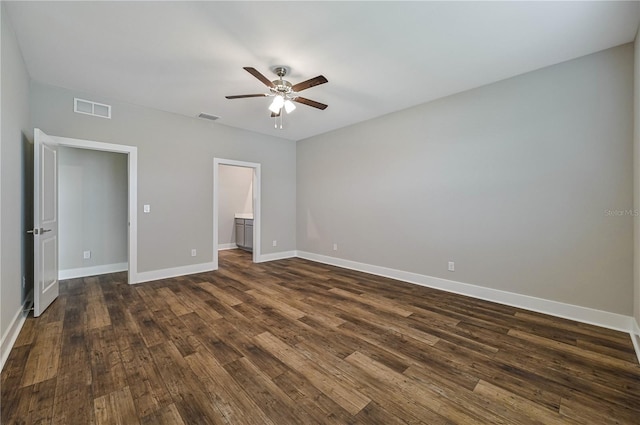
281,86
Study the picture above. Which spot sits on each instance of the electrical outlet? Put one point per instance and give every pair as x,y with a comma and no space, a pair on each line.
452,266
335,246
146,208
275,243
194,252
86,255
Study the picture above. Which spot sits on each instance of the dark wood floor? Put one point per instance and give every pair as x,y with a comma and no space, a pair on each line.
296,342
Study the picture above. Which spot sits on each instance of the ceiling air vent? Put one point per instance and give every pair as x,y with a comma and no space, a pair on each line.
88,107
208,116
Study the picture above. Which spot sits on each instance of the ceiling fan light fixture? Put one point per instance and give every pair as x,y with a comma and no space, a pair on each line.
277,103
283,92
289,106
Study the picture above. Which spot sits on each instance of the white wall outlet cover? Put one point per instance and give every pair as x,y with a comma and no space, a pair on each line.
452,266
275,242
86,255
193,252
335,246
146,208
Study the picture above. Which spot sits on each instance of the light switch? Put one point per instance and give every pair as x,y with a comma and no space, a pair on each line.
146,208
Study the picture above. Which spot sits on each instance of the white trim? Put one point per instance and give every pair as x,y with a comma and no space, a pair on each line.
635,337
591,316
132,159
174,271
256,205
226,246
92,271
276,256
11,335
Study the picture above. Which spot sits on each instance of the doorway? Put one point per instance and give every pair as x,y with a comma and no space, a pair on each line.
92,212
131,153
255,184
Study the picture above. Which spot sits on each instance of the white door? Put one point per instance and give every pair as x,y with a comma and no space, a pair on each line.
45,221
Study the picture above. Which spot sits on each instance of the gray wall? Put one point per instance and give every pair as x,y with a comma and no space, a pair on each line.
93,200
636,168
175,172
236,196
512,181
15,152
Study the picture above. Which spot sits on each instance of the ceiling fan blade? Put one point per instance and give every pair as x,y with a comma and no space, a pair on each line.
242,96
310,83
310,102
259,76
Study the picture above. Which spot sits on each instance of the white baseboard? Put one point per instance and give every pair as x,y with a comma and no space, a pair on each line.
591,316
276,256
92,271
225,246
10,336
173,272
635,337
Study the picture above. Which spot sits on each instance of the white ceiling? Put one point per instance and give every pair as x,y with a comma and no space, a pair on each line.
379,57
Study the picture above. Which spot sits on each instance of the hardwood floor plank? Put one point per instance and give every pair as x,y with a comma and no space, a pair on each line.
146,384
311,399
14,367
178,331
192,401
588,411
206,334
108,374
293,341
425,396
15,410
378,303
196,300
230,397
168,415
96,309
347,397
266,394
521,409
282,307
73,395
115,408
42,363
407,409
42,399
176,305
27,334
222,295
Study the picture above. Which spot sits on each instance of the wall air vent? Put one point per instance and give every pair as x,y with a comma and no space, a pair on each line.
208,116
88,107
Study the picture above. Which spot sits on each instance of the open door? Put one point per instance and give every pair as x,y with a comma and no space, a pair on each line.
45,222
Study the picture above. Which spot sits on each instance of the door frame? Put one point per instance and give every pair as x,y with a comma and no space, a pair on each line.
217,162
132,168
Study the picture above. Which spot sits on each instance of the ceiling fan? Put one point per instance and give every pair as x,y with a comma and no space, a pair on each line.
283,92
